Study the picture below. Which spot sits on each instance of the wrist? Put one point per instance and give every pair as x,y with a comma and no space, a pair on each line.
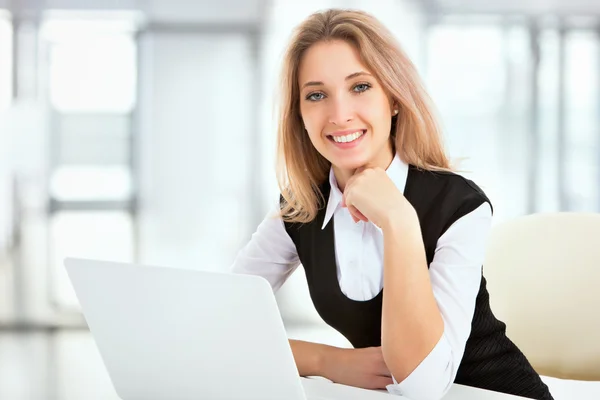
327,360
400,221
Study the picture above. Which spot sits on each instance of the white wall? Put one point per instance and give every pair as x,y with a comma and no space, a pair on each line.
5,189
196,126
404,18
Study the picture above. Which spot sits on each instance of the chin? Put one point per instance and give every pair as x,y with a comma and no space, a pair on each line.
349,162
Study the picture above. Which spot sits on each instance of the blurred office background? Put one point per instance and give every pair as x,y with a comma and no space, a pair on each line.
143,130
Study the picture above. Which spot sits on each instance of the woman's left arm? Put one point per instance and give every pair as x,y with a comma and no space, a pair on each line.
427,313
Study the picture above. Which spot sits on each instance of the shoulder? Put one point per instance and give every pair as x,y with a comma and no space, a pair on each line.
451,188
307,209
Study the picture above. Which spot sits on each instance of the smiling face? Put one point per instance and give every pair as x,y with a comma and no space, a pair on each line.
345,110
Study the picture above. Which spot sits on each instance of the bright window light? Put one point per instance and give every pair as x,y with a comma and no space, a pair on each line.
6,62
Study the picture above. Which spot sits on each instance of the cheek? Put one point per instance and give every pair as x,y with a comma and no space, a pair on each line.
313,121
379,116
314,139
375,116
314,135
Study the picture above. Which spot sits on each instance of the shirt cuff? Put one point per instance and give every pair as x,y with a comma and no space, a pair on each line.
431,379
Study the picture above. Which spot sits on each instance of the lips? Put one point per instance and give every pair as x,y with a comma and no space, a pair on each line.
348,141
347,136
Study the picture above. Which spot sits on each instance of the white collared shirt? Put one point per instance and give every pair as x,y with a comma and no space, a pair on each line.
455,275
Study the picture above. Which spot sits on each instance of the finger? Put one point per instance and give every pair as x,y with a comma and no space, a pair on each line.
357,214
354,213
349,185
353,177
381,382
382,366
359,170
385,372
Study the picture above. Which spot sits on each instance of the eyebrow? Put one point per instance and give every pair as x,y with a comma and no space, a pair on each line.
351,76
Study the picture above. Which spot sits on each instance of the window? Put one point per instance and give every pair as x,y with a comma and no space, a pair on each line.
480,76
92,85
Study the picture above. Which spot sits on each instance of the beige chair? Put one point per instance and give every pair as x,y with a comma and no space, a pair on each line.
543,275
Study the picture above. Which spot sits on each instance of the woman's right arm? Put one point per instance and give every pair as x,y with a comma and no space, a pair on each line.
364,368
272,254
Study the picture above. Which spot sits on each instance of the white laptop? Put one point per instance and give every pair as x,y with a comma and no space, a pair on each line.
167,333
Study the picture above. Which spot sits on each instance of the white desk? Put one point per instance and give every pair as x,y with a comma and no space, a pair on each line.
317,389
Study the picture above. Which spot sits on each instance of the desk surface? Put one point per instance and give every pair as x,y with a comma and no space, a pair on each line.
318,389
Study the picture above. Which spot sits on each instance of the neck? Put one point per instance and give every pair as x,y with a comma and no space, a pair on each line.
342,176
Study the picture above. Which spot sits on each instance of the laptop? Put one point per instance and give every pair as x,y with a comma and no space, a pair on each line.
169,333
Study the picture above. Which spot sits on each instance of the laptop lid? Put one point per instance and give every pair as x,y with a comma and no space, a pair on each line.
166,333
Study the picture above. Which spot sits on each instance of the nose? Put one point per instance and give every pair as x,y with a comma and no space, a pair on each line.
341,111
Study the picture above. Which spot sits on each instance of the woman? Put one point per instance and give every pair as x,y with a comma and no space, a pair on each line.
368,201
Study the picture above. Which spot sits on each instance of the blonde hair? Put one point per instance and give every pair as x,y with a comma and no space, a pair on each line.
301,169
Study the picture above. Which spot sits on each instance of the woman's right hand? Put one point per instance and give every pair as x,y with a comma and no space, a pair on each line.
364,368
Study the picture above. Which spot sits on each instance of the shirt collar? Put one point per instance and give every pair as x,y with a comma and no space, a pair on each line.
397,171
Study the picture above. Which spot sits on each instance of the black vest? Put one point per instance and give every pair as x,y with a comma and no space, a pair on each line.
490,361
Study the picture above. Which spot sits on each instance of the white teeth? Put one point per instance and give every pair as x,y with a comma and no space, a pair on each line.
348,138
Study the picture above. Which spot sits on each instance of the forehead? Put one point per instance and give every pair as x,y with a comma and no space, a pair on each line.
329,62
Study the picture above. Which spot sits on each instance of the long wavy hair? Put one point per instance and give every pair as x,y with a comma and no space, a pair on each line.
416,135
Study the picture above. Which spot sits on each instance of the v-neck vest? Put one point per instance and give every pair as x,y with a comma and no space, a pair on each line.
490,361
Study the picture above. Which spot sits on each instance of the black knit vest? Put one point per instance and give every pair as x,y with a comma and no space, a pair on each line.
490,361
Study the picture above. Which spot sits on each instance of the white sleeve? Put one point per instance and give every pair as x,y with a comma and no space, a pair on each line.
270,253
455,274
